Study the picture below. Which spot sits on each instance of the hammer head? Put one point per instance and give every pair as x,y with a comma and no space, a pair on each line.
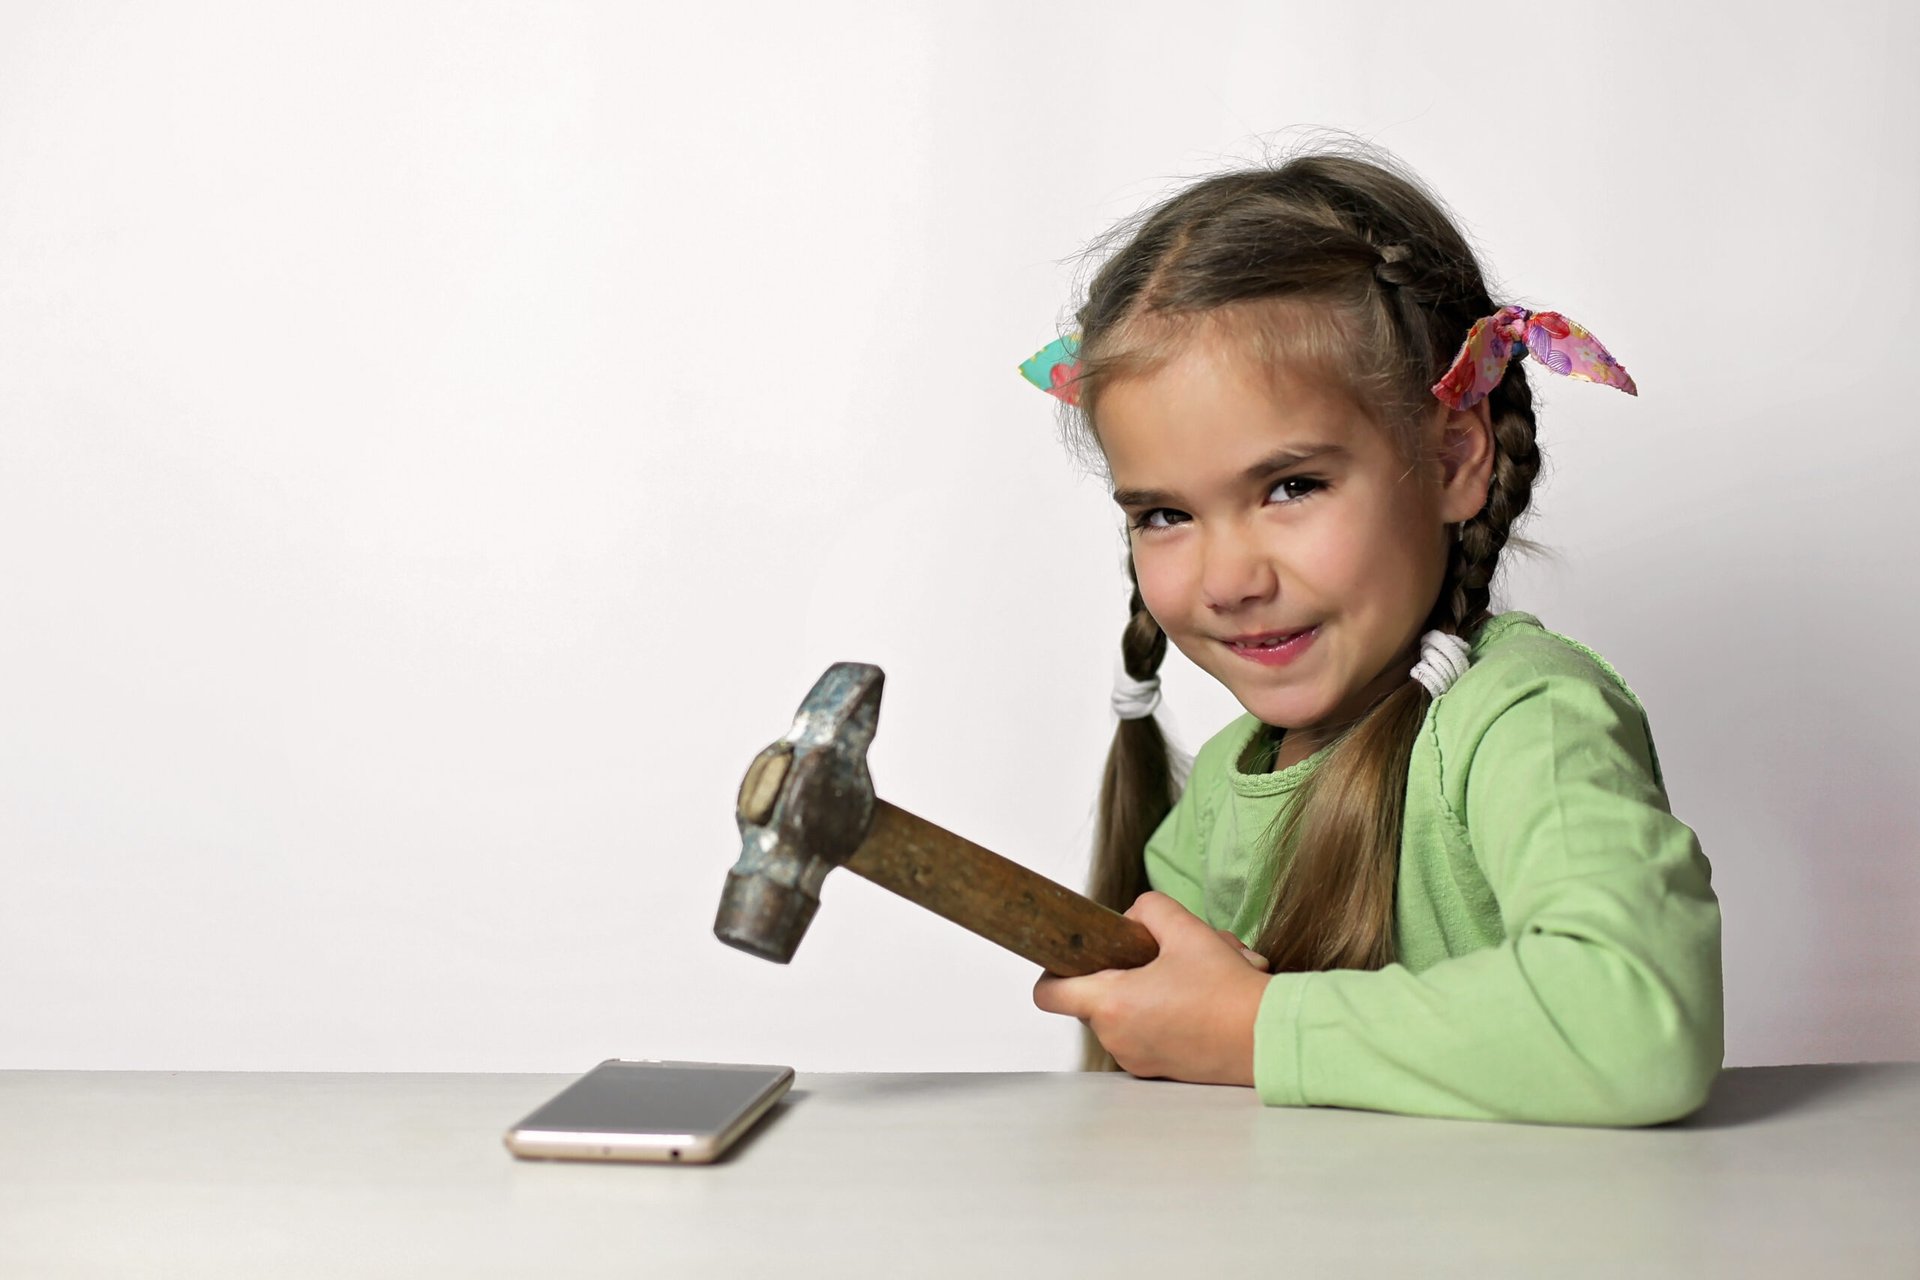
804,807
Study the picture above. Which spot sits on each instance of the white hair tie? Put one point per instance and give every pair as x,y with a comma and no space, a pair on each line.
1443,659
1134,699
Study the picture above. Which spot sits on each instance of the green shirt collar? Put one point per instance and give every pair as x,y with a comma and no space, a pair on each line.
1261,781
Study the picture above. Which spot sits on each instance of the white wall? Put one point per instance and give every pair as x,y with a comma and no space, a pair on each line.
441,443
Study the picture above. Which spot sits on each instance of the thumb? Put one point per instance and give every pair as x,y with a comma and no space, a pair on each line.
1247,953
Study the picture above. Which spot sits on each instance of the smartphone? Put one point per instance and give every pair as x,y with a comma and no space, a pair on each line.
684,1112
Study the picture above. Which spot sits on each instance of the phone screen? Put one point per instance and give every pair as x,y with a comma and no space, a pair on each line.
656,1097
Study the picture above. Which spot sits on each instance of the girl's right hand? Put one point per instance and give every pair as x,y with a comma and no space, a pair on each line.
1247,953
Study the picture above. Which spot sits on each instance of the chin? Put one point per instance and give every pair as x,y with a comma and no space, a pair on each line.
1282,711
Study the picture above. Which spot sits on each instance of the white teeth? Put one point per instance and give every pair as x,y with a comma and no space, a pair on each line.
1274,643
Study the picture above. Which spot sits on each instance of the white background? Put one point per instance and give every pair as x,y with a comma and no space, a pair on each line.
440,444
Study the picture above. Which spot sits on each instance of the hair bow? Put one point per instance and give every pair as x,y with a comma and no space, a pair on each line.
1555,341
1055,370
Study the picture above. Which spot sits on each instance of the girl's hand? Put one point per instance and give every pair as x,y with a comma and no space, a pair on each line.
1247,953
1188,1015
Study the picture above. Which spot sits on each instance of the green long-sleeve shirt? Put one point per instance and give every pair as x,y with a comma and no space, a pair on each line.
1556,934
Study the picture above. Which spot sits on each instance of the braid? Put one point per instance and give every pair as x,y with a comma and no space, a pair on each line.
1137,790
1516,461
1143,645
1423,298
1395,266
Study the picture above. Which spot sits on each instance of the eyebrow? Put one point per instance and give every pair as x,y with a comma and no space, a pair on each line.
1277,461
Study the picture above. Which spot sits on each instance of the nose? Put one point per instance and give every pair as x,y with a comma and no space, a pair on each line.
1235,570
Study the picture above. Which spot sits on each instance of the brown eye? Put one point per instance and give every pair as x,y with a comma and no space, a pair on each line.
1304,485
1146,518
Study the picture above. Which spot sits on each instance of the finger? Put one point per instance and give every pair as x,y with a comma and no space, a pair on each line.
1061,995
1247,953
1161,912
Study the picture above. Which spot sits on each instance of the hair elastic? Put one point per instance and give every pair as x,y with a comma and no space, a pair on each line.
1134,699
1444,658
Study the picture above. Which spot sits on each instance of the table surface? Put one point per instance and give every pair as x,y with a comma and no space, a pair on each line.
1786,1171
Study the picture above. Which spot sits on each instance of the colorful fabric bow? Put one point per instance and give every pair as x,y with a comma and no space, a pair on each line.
1054,369
1553,340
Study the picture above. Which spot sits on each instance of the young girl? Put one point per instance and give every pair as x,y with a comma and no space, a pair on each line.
1440,832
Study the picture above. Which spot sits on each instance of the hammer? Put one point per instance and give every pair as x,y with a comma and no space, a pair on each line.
807,806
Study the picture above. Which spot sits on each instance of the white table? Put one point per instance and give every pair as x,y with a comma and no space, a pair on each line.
1789,1171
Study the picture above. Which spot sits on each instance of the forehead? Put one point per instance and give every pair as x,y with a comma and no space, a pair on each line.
1211,406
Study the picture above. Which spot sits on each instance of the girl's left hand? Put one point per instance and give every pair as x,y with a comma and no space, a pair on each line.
1187,1015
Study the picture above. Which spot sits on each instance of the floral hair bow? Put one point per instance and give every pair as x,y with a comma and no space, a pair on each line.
1558,343
1055,368
1548,336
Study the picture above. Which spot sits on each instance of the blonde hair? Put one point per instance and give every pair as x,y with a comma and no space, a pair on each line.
1342,264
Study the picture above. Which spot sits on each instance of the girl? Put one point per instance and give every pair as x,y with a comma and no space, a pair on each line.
1441,833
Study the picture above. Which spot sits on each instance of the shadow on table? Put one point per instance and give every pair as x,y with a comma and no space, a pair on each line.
879,1088
882,1086
1743,1095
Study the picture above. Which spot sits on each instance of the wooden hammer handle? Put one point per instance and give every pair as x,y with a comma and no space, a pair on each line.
1002,901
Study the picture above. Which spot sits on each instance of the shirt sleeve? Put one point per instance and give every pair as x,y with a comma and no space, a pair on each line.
1603,1003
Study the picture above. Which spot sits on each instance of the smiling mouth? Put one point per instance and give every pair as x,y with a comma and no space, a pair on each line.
1273,648
1266,639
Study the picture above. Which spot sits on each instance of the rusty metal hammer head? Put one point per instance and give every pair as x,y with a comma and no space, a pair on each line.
805,806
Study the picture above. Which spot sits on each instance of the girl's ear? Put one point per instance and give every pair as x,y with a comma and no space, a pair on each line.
1466,461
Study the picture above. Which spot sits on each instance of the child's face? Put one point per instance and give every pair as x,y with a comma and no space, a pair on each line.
1232,541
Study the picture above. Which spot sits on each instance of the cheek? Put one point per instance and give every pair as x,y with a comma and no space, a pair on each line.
1332,564
1160,578
1395,569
